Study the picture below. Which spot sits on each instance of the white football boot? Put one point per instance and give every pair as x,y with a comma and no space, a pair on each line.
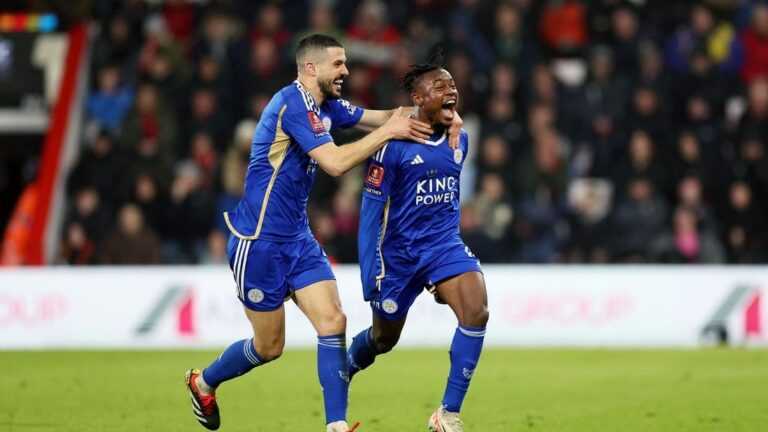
341,426
445,421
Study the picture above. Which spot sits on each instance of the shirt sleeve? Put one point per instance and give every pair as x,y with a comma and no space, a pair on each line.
343,114
303,125
380,173
464,143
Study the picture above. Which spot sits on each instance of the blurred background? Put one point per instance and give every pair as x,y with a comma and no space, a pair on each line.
602,131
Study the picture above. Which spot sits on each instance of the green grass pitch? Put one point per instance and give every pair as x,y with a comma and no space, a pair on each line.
513,390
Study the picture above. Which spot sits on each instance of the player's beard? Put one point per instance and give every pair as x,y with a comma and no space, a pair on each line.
326,87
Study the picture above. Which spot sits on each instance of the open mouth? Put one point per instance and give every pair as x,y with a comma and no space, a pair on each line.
337,84
448,108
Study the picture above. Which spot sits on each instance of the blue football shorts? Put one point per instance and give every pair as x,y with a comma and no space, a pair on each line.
405,278
267,272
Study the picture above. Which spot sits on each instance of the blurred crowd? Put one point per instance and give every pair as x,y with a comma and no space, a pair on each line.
601,131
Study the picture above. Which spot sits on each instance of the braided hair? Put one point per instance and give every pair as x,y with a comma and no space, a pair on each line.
417,70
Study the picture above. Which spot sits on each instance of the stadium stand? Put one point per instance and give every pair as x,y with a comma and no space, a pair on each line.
603,131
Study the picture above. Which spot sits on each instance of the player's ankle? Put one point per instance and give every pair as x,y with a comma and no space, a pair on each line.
203,386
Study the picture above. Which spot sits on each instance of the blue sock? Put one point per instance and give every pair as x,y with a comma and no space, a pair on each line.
362,353
333,371
237,359
465,352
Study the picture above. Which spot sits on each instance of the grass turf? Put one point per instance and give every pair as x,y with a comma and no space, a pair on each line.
513,390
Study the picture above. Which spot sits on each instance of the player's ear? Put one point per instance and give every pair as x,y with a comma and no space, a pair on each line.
417,99
310,68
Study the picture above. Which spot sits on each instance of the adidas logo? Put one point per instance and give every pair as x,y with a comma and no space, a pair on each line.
417,160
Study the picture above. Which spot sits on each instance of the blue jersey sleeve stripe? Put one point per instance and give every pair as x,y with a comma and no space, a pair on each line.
379,155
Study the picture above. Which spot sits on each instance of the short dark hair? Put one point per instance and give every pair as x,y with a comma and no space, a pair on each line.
315,41
410,79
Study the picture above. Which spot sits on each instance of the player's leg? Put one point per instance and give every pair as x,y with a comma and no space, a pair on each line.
321,304
242,356
377,339
262,292
466,295
318,298
396,293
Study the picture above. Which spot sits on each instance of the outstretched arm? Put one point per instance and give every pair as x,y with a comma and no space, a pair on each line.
336,160
372,119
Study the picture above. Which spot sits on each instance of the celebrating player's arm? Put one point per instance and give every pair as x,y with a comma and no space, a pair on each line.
336,160
372,119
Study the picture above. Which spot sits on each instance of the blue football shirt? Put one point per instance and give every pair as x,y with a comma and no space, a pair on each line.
410,202
280,172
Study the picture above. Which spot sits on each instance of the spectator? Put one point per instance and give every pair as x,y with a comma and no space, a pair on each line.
108,106
744,233
563,25
755,121
207,116
216,251
99,166
687,243
755,41
130,243
589,204
345,220
690,195
322,20
754,164
717,39
641,161
512,45
539,222
192,204
466,33
270,27
371,38
476,239
265,66
150,120
637,220
180,17
494,213
495,158
647,114
692,159
150,200
84,227
205,157
420,38
626,40
545,166
605,92
501,121
118,45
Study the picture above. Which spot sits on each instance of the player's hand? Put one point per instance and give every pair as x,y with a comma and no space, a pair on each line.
454,131
401,126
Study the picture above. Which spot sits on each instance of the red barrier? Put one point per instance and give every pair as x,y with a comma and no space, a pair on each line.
51,159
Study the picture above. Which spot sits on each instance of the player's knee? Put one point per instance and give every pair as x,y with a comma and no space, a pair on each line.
332,323
384,343
269,351
475,317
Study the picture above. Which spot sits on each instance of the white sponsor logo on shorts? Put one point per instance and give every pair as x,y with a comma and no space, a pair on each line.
255,295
